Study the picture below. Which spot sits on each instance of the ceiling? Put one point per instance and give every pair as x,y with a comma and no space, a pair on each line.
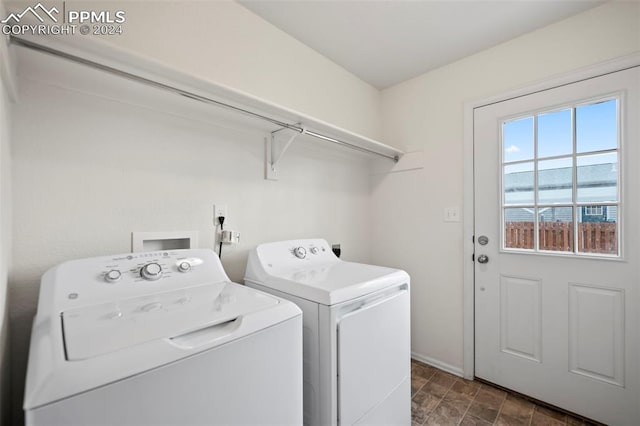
386,42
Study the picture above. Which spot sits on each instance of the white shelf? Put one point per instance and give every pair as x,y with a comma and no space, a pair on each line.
225,101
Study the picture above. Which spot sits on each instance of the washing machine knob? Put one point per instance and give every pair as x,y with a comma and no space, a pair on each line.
151,271
112,276
184,266
314,250
300,252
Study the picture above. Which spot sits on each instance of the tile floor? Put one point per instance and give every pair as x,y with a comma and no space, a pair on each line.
440,398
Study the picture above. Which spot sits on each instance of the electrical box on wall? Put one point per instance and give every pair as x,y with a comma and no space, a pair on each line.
220,218
170,240
230,237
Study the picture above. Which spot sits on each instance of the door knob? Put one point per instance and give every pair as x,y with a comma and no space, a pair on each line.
483,258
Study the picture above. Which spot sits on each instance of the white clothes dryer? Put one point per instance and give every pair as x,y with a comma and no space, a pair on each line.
357,361
161,338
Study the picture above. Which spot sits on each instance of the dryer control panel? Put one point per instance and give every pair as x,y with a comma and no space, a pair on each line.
309,249
304,257
317,250
295,253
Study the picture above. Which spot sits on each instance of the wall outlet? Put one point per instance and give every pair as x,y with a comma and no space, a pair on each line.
219,210
452,214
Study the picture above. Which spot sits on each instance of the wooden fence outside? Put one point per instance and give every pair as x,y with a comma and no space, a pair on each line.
593,237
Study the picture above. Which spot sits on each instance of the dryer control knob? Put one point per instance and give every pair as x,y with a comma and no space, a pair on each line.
151,271
314,250
300,252
112,276
184,267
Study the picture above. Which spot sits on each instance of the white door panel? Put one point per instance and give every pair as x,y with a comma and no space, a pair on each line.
559,321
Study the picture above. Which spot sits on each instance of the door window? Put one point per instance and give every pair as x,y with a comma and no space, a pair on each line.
561,180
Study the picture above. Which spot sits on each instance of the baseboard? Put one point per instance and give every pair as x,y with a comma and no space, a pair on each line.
438,364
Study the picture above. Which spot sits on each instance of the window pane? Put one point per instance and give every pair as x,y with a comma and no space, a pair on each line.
518,139
519,228
598,177
555,181
597,126
554,134
560,180
555,228
518,183
598,233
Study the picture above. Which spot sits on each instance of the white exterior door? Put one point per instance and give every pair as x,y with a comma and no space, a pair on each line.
557,246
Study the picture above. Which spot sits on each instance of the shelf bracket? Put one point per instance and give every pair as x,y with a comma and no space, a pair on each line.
274,151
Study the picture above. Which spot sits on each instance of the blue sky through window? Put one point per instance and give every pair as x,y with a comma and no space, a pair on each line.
518,139
596,130
596,126
554,134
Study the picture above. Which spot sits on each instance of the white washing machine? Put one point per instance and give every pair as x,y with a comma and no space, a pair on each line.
161,338
357,361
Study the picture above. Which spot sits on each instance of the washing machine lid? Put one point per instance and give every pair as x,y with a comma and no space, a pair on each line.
90,331
96,330
64,363
332,282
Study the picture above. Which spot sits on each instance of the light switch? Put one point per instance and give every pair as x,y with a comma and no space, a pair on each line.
452,214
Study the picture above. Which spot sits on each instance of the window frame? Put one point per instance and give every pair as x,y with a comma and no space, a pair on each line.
575,205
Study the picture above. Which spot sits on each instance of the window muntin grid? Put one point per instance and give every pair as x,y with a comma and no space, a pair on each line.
593,210
554,165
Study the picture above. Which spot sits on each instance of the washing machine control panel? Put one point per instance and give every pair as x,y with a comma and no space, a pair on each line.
150,266
113,276
95,280
152,271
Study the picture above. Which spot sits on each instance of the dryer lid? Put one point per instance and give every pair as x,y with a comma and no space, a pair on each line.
91,331
309,269
334,282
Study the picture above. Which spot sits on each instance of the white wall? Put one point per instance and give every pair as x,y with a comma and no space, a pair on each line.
88,170
426,113
5,247
6,89
223,42
82,183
